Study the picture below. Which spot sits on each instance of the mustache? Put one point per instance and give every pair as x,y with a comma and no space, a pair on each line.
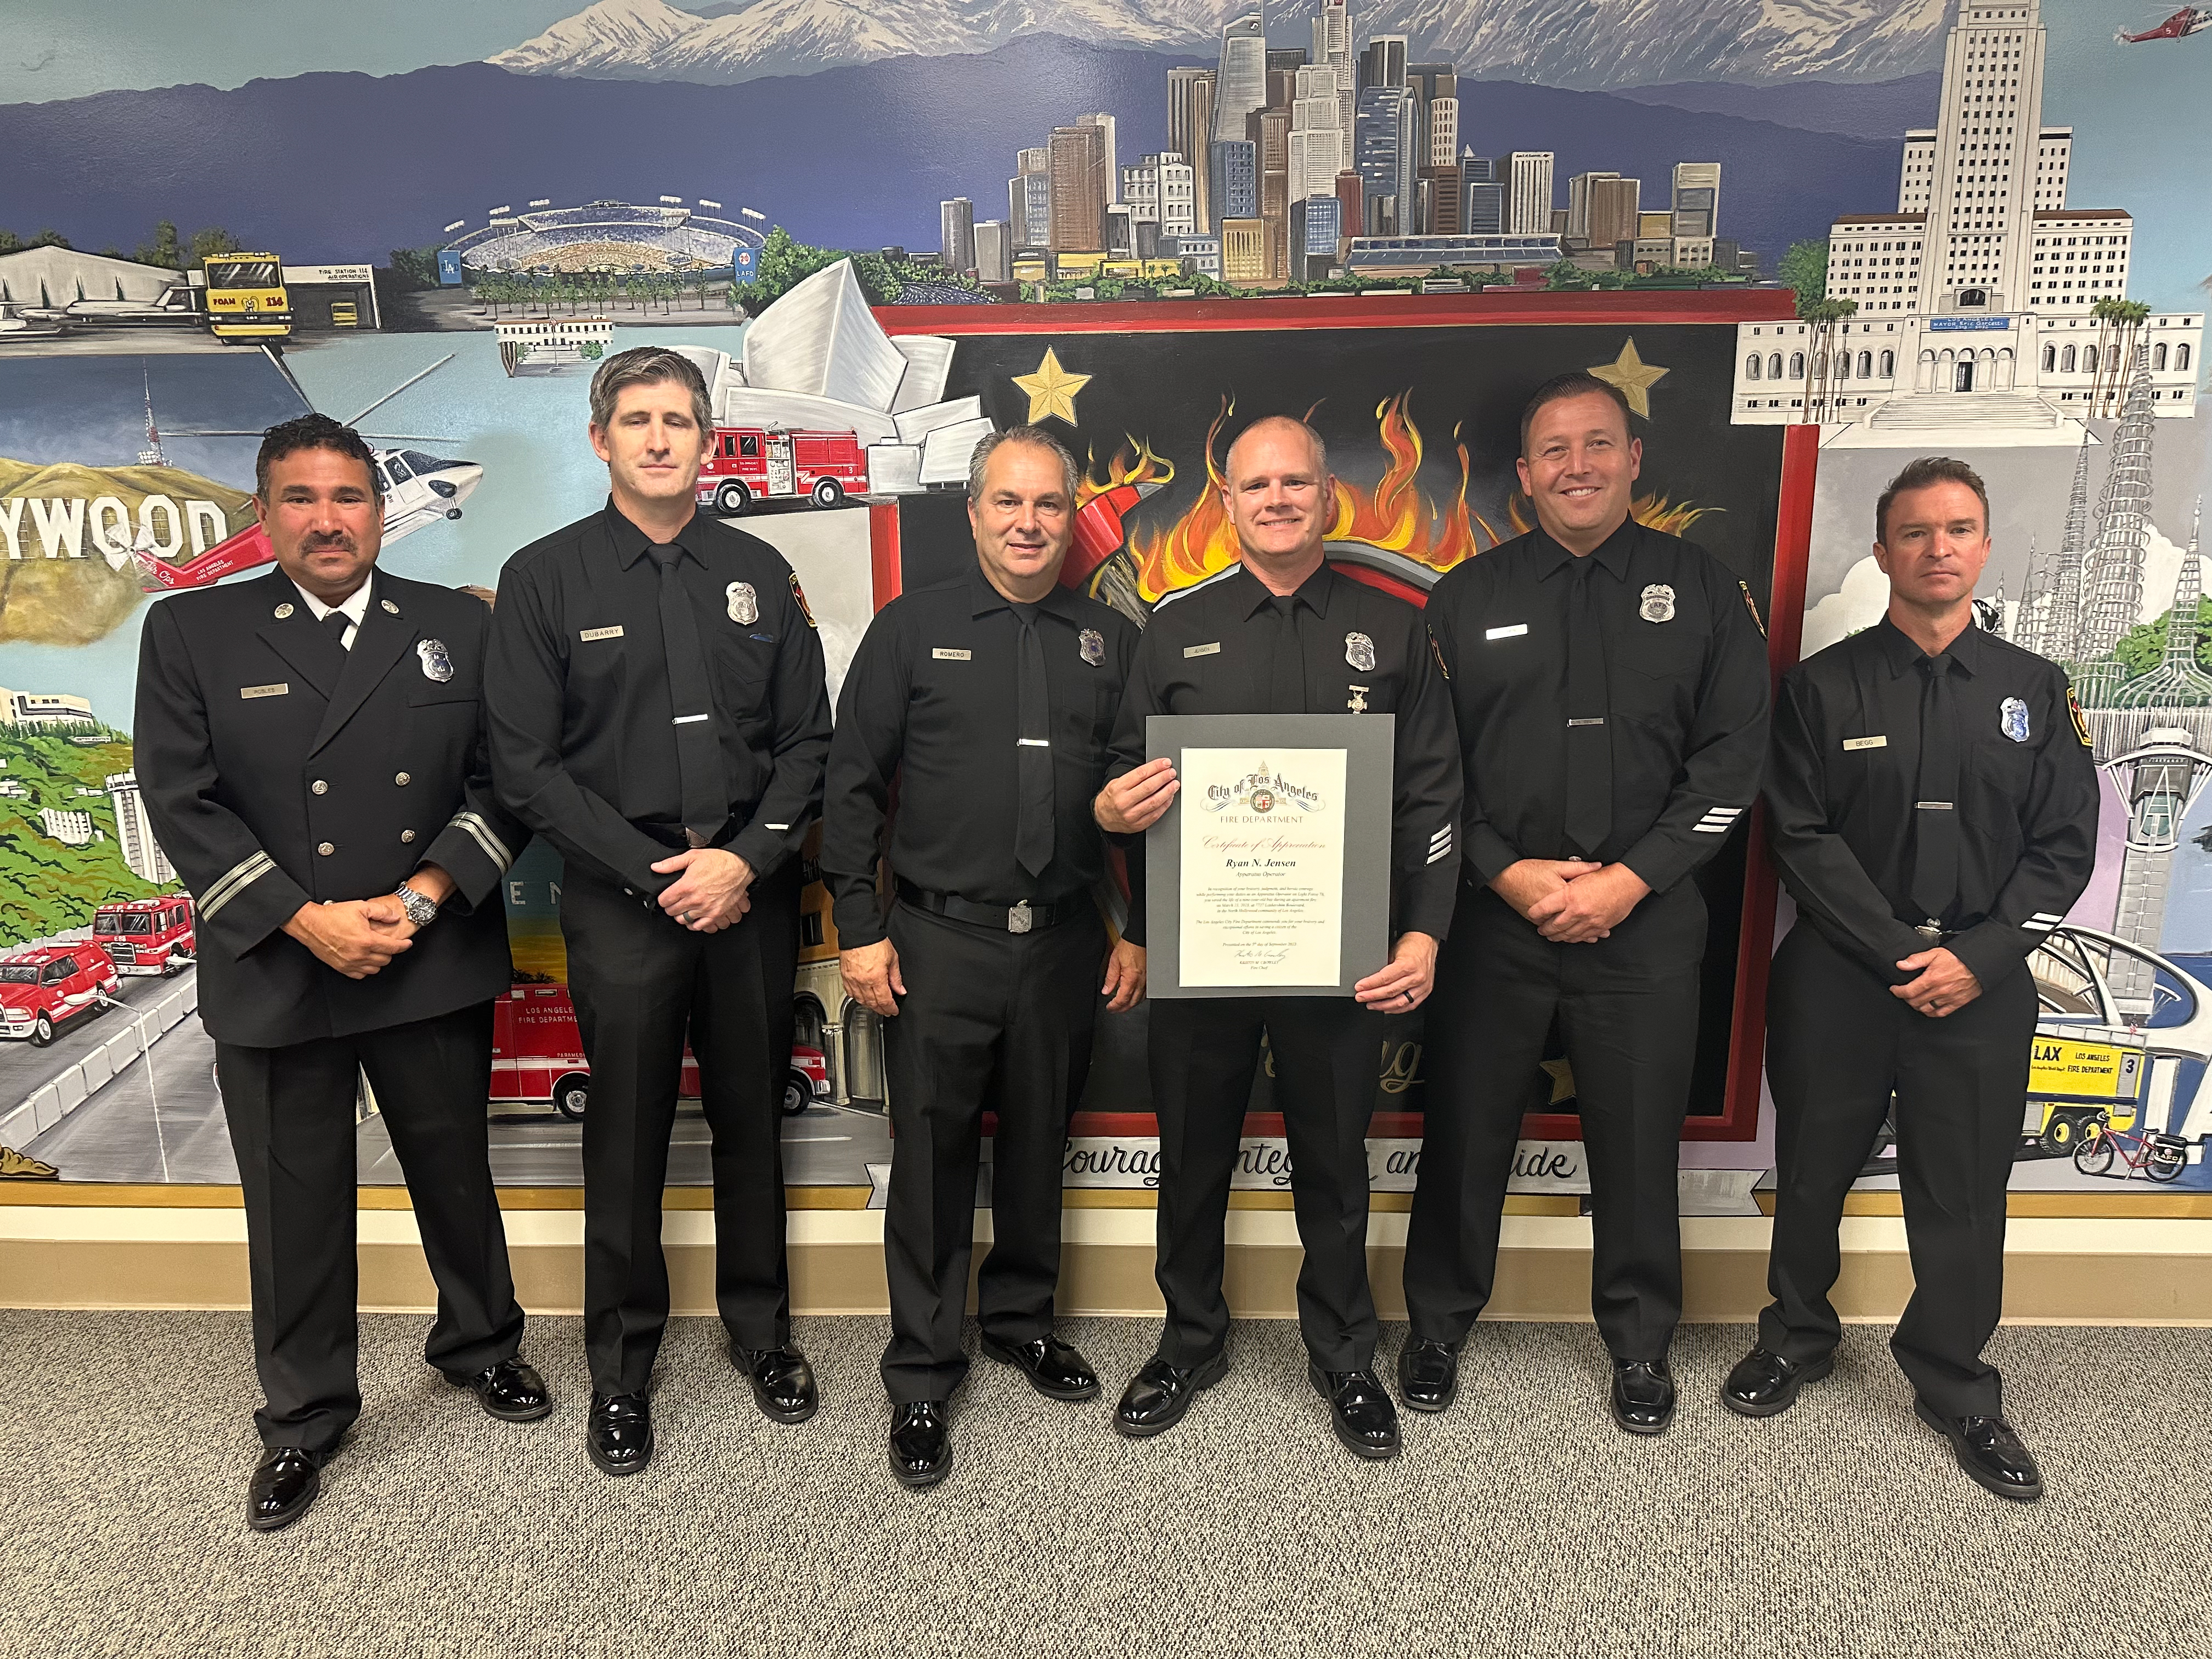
339,541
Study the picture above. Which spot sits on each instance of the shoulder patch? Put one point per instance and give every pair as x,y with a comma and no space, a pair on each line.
2081,721
1752,606
799,594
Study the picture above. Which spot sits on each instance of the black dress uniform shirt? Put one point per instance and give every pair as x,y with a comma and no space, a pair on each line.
583,738
280,770
1843,784
1686,688
1208,651
932,697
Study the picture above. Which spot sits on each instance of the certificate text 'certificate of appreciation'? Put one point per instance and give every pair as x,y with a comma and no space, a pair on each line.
1270,873
1263,848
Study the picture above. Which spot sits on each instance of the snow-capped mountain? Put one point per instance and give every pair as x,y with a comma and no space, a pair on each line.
1565,43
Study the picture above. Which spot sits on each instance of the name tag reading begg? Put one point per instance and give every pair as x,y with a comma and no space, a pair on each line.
1851,744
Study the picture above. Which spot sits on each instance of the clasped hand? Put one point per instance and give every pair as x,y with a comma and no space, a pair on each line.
712,890
1570,901
357,936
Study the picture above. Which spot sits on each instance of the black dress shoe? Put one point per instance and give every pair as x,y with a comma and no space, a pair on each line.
1052,1367
1765,1384
620,1434
283,1487
511,1391
1428,1374
922,1442
1159,1395
1642,1395
783,1383
1990,1451
1360,1410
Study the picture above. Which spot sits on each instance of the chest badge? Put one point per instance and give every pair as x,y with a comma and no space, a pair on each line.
437,664
1658,605
1359,651
1094,646
744,604
2012,719
1356,703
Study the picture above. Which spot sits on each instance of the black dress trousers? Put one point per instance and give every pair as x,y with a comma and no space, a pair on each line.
642,982
1327,1075
1837,1043
999,1020
291,1117
1627,1008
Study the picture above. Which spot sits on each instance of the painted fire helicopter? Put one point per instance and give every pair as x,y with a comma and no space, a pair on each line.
2189,20
419,488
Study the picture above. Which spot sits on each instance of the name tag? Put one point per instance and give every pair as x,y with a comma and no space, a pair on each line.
1513,633
1850,744
944,653
590,634
277,691
1213,650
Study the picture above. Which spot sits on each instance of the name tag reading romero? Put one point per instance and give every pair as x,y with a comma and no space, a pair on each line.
590,634
945,653
281,689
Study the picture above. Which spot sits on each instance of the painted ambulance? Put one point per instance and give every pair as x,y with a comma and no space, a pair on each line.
47,987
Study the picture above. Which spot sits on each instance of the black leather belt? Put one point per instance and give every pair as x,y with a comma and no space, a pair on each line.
1027,917
674,835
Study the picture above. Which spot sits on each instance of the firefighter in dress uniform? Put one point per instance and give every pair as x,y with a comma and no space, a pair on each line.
312,751
990,699
1610,683
1932,802
658,712
1283,632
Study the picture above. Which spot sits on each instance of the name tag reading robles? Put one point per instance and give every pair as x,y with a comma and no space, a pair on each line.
1270,876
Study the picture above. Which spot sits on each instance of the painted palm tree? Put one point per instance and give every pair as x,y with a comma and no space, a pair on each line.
2118,323
1823,314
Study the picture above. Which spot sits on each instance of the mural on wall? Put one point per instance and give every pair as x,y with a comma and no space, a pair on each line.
500,224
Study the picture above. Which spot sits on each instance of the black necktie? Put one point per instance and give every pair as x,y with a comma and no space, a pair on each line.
1589,818
699,778
1936,813
334,624
1033,756
1286,667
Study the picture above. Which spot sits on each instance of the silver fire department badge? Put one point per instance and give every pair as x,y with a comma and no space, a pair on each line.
1094,646
1359,651
1658,605
436,664
2011,719
744,604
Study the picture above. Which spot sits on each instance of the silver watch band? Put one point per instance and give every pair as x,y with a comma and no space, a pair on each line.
421,908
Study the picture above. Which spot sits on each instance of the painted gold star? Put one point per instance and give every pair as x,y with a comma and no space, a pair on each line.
1632,376
1051,389
1562,1074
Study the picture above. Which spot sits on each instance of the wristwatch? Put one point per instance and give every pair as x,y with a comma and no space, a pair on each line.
421,910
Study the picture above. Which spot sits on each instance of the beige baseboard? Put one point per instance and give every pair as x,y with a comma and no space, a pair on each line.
2058,1269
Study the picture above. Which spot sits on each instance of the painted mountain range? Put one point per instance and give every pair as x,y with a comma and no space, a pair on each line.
1561,43
351,166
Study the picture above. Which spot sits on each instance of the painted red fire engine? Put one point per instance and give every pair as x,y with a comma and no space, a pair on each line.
148,936
537,1057
749,463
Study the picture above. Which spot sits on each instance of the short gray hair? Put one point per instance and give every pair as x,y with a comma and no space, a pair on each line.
1069,473
1320,448
648,366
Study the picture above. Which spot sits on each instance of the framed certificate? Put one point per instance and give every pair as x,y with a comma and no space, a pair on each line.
1270,876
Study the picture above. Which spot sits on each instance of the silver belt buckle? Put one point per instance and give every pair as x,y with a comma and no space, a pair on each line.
1930,929
1017,917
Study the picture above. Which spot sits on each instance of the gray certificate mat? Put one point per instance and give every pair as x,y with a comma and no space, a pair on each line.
1278,845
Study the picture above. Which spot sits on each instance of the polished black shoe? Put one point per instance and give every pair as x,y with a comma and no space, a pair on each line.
283,1487
1642,1395
1765,1384
1052,1367
1359,1409
922,1442
783,1383
511,1391
1428,1374
620,1433
1159,1395
1990,1451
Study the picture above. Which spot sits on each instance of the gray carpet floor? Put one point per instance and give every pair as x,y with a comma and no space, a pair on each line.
1520,1524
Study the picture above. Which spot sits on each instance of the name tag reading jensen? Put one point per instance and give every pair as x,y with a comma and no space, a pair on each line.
590,634
1850,744
944,653
1513,633
281,689
1213,650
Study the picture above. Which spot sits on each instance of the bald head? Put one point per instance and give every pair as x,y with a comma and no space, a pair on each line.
1279,429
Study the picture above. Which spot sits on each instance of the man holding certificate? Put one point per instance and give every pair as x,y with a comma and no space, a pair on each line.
1280,632
1610,685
